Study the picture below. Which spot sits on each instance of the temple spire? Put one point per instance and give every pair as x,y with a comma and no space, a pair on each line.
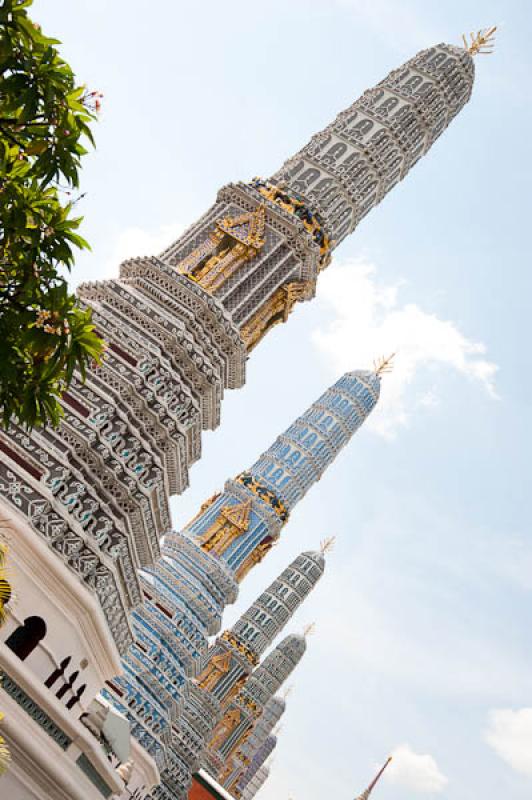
247,707
365,795
327,544
384,364
235,653
481,42
241,525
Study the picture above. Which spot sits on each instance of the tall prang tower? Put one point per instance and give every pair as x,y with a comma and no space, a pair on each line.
260,248
257,781
180,327
257,772
259,746
224,671
246,708
186,591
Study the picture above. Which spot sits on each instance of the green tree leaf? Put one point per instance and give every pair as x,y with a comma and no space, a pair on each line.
45,335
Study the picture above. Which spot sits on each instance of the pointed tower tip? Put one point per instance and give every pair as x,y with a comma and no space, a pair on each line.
375,780
308,630
383,364
482,42
327,545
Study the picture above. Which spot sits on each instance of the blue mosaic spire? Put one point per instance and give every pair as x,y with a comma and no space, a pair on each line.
241,524
299,457
186,591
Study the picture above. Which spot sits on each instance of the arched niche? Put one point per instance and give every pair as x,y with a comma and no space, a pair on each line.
26,637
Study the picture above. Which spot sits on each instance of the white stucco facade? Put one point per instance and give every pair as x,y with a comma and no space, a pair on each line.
54,755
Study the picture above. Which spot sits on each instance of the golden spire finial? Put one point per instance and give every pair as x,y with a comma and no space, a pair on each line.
287,691
382,365
308,630
327,544
481,42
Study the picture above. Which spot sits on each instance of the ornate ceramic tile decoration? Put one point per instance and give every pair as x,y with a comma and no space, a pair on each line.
179,329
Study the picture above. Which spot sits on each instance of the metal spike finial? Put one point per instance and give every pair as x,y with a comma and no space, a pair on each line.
383,365
327,544
379,774
481,42
308,630
365,795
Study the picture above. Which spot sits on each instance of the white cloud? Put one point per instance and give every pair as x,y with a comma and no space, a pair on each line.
415,771
134,241
510,734
370,320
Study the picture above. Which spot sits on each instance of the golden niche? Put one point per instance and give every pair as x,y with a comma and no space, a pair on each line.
231,523
218,665
226,772
242,648
241,739
225,727
255,557
233,241
276,309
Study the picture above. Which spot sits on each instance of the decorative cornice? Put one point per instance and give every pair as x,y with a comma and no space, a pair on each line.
241,647
290,202
176,542
264,494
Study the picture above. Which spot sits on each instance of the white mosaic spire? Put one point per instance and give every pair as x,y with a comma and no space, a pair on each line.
242,713
352,164
250,756
253,778
230,661
180,327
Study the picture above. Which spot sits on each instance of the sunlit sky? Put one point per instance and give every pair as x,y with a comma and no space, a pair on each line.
422,644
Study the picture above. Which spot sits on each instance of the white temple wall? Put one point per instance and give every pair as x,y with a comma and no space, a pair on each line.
75,626
54,756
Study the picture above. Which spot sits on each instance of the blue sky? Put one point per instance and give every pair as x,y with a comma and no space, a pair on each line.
422,643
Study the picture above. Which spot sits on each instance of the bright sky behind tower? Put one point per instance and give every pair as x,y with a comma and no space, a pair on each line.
422,643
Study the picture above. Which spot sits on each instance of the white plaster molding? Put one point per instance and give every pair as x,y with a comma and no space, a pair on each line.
77,603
